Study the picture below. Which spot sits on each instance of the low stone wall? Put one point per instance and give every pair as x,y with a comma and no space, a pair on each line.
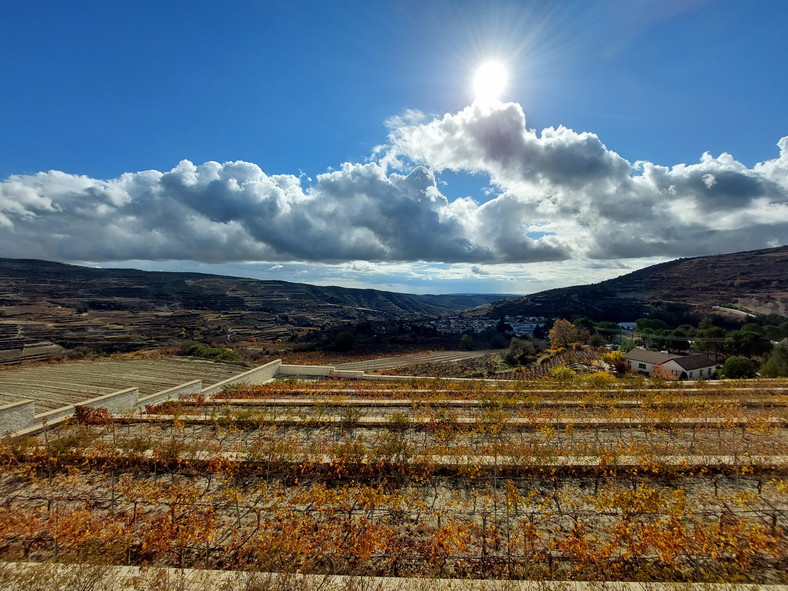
258,375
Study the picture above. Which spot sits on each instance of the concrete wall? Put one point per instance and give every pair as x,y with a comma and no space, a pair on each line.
194,387
635,365
306,370
258,375
115,402
16,415
693,374
350,374
18,418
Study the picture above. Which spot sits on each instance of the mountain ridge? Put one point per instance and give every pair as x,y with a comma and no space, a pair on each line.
118,310
193,290
755,280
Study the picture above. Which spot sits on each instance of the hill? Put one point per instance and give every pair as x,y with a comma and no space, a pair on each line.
754,280
127,309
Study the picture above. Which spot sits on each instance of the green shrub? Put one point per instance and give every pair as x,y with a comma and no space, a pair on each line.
563,373
207,352
776,365
738,367
596,341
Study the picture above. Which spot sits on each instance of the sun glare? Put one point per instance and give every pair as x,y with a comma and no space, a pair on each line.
489,82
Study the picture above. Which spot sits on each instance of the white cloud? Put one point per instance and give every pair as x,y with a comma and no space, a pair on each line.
560,194
590,199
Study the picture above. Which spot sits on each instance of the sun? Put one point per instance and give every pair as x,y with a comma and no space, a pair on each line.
489,82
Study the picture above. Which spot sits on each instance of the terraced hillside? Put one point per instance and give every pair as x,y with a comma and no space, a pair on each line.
121,310
434,479
756,280
57,385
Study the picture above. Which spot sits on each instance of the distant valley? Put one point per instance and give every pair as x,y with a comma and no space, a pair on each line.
117,310
46,306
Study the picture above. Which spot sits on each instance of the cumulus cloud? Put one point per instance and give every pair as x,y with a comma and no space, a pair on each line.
558,194
591,200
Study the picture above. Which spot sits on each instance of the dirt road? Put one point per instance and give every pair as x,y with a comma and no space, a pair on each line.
408,360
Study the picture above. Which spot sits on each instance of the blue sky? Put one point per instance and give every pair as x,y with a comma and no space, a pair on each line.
339,142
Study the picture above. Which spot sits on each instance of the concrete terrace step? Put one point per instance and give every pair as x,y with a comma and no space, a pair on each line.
16,576
462,462
513,423
472,403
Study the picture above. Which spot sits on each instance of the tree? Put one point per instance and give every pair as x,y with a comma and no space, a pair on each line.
687,330
662,339
772,332
709,339
738,367
206,351
585,322
746,342
564,334
345,341
596,340
679,341
520,352
753,327
466,342
652,323
562,373
776,365
610,330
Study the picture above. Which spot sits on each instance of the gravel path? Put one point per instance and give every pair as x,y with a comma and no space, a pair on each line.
408,360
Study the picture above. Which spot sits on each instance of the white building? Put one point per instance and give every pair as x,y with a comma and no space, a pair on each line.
694,366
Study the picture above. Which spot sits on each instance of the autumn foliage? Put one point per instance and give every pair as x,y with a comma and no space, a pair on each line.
565,334
593,478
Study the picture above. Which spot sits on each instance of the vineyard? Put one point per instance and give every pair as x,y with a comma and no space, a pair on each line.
604,480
